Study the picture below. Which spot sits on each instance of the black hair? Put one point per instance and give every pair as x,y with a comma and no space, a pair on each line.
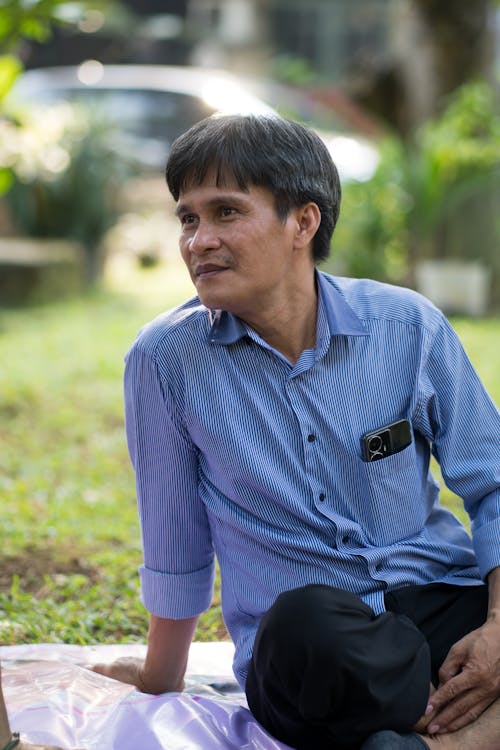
268,151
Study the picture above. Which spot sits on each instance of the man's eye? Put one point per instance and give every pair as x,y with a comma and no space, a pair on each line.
226,211
187,219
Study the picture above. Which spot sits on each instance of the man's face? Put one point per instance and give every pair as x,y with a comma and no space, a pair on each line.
240,255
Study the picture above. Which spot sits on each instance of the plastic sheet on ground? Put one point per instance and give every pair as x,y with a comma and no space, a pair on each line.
53,698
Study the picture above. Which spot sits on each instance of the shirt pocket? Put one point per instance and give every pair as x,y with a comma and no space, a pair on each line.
392,508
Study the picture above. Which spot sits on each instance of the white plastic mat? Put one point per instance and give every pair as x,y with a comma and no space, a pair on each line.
53,698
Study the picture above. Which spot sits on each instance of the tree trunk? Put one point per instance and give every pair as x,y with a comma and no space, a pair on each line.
435,46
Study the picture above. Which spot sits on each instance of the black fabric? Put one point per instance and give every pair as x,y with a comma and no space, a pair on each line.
393,741
326,671
443,613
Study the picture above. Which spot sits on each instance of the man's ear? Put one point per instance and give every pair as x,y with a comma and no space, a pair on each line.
308,220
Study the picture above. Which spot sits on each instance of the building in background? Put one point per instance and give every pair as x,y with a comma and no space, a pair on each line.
250,36
328,36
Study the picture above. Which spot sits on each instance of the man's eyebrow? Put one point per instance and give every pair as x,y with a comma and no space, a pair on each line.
217,200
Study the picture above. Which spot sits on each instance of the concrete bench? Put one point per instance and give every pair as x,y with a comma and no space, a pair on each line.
39,270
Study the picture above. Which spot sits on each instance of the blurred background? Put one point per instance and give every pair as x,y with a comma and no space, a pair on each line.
405,94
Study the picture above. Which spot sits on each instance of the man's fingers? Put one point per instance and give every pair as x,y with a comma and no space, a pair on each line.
421,726
127,670
451,667
100,669
451,690
108,670
459,713
451,701
469,716
454,662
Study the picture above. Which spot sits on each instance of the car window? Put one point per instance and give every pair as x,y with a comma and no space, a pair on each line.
152,114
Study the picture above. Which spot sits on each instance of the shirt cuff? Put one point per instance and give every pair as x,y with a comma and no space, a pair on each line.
486,547
177,596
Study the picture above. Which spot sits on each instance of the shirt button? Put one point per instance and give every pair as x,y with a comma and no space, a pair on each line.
322,496
378,567
311,438
345,539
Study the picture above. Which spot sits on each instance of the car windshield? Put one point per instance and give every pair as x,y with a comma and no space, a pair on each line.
161,115
147,121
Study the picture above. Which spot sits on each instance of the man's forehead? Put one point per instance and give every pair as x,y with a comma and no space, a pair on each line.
215,177
212,191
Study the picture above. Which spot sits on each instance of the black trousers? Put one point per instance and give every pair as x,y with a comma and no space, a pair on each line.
327,672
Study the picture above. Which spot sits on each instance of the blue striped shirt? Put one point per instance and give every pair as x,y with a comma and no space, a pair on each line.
240,455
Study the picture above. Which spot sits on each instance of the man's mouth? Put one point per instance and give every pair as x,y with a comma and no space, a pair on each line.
208,269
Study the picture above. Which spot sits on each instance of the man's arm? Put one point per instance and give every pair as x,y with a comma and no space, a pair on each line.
470,674
177,575
455,405
164,667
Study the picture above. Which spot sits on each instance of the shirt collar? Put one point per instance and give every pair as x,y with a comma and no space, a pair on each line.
341,319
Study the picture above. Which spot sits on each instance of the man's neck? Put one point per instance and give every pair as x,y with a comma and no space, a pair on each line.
290,329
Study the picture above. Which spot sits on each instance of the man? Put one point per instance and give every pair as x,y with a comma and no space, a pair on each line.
283,421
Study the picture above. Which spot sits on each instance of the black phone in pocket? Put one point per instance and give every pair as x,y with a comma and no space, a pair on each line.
386,441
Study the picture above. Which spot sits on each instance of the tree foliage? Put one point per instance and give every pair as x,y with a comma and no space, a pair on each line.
26,20
434,47
34,19
420,192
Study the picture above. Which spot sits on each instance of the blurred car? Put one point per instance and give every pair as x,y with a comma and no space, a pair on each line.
150,105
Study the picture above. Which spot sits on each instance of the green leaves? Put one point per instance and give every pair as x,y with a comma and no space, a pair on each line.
33,19
422,189
65,172
10,67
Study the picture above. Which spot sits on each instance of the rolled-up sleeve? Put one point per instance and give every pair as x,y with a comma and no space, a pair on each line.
178,571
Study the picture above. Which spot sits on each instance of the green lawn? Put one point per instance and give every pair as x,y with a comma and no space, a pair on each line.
71,543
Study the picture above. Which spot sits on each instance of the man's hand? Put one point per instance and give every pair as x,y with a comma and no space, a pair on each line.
163,669
126,669
131,671
469,681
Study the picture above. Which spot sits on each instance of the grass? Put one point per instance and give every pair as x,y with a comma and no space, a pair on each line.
71,543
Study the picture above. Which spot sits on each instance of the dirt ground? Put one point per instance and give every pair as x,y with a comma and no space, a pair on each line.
35,564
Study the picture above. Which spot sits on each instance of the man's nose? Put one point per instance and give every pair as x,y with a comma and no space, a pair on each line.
205,238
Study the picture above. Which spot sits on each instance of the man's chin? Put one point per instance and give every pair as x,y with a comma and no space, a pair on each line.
213,301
